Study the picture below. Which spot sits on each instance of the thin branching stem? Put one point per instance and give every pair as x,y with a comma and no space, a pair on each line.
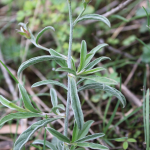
69,66
81,13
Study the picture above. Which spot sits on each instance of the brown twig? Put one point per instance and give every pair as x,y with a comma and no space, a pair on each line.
120,28
8,80
118,8
114,10
132,71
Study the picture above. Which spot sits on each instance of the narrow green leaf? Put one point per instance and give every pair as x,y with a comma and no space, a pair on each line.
93,51
148,20
84,131
73,64
26,99
46,82
125,145
83,53
120,17
144,44
95,62
60,106
92,71
111,118
66,70
97,48
147,103
106,88
58,135
9,72
48,144
125,118
95,17
55,53
11,105
35,60
18,115
42,31
131,140
75,132
98,79
88,58
122,139
54,97
75,103
93,146
62,63
80,81
91,137
25,136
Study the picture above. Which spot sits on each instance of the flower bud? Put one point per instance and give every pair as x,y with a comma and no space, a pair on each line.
24,30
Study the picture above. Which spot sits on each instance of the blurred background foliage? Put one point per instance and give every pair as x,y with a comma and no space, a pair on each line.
124,49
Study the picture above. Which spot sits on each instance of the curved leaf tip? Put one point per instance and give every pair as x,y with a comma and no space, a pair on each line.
42,31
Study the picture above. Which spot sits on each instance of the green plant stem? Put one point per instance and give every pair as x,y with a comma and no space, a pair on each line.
75,22
69,66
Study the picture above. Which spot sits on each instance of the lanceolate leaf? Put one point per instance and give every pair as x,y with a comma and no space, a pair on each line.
53,97
73,64
122,139
75,132
58,135
25,136
131,140
93,146
83,53
66,70
84,131
46,82
26,99
42,31
95,62
93,51
99,79
125,145
18,115
55,53
95,17
75,103
105,88
48,144
9,72
91,137
92,71
62,63
35,60
80,81
11,105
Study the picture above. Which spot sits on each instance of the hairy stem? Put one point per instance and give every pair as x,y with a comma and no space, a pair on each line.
75,22
69,66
